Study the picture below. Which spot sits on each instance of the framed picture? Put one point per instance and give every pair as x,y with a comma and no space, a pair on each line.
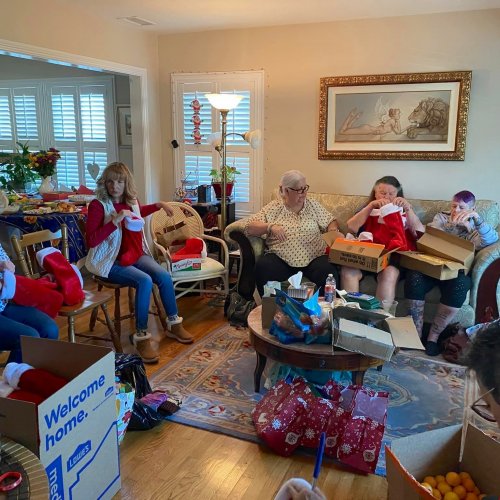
412,116
124,119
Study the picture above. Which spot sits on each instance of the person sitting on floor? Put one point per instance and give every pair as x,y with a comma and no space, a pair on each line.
463,221
119,253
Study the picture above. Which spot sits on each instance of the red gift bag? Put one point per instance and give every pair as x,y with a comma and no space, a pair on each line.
319,413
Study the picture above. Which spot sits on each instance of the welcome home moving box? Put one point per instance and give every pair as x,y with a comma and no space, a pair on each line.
373,334
74,431
440,255
359,254
410,459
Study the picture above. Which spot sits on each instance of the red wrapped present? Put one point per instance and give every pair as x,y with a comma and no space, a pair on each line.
319,413
337,421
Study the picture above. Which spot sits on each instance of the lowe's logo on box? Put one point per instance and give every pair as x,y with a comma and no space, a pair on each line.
65,417
80,453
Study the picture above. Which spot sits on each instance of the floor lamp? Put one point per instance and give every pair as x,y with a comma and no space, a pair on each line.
225,103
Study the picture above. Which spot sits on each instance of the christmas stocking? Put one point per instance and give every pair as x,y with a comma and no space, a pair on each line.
67,276
388,229
31,384
194,248
40,293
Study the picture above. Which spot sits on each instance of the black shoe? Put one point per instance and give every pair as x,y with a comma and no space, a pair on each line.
432,348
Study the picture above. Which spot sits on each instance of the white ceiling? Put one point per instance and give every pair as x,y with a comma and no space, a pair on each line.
177,16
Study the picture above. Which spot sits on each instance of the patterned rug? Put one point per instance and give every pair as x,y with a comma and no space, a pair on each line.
214,379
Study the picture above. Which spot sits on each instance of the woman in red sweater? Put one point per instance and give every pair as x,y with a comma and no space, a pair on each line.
119,252
393,223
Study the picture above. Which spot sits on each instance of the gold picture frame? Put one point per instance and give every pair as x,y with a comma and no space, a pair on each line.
407,116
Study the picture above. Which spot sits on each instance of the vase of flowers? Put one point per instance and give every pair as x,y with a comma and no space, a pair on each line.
15,171
44,164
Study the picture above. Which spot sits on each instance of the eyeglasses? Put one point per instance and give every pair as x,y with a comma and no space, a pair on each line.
301,190
482,409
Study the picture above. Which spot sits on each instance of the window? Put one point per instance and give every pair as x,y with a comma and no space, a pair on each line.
74,115
195,119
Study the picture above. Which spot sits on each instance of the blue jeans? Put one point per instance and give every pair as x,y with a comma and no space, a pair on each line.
141,276
18,320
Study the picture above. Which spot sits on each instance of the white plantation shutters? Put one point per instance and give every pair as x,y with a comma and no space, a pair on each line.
193,162
74,115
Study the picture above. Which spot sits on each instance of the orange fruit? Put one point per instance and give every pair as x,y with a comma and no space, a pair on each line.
430,480
440,478
460,491
450,495
427,486
443,487
464,475
471,496
469,484
453,479
476,491
437,494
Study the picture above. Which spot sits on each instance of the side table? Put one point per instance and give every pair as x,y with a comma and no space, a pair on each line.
307,356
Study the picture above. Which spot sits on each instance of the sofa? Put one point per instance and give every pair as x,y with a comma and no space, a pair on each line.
482,301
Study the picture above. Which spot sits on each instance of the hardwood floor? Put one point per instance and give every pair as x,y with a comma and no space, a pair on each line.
177,461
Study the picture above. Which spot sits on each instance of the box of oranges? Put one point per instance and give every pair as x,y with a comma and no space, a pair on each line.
444,464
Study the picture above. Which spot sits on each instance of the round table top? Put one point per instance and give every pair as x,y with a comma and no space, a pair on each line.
17,458
301,354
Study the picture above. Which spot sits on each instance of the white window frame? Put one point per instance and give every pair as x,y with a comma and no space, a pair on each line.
218,82
44,117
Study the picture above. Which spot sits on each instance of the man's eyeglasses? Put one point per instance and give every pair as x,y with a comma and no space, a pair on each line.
301,190
482,409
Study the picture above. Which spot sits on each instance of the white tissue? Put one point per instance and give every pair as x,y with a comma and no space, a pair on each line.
295,280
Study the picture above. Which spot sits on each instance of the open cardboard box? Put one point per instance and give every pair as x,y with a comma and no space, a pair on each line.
373,334
359,254
410,459
74,431
440,255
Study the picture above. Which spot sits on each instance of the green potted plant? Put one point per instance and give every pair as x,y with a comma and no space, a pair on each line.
216,174
15,169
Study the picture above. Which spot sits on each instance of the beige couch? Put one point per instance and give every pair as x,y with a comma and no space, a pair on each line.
483,299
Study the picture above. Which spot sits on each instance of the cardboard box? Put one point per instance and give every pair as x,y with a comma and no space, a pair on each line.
359,254
412,458
373,334
193,264
440,255
74,431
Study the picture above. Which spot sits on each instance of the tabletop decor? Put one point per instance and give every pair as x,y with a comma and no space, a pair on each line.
15,171
408,116
44,164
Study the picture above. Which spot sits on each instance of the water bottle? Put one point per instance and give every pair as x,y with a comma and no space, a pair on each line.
330,288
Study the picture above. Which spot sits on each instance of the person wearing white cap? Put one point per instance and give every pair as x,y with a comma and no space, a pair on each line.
119,252
17,320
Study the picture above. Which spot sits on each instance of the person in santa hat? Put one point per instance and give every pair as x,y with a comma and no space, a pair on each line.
119,253
393,223
17,320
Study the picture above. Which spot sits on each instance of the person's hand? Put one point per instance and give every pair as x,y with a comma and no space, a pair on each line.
166,207
120,216
7,265
461,218
402,202
277,232
299,489
379,203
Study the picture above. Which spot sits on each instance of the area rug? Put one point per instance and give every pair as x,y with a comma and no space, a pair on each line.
214,379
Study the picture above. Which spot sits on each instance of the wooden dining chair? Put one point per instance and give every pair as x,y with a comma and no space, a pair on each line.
26,249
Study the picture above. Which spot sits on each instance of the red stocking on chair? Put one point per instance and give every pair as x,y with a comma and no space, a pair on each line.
67,276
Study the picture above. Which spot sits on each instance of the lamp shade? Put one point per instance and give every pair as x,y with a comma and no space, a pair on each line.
224,101
253,138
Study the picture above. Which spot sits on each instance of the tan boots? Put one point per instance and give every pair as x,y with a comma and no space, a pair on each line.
145,347
176,331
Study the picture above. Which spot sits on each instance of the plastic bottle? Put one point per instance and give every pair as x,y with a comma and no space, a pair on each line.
330,288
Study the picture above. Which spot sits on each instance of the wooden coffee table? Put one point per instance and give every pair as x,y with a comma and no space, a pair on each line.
307,356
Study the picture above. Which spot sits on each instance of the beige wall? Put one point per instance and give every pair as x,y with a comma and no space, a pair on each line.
64,26
294,59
